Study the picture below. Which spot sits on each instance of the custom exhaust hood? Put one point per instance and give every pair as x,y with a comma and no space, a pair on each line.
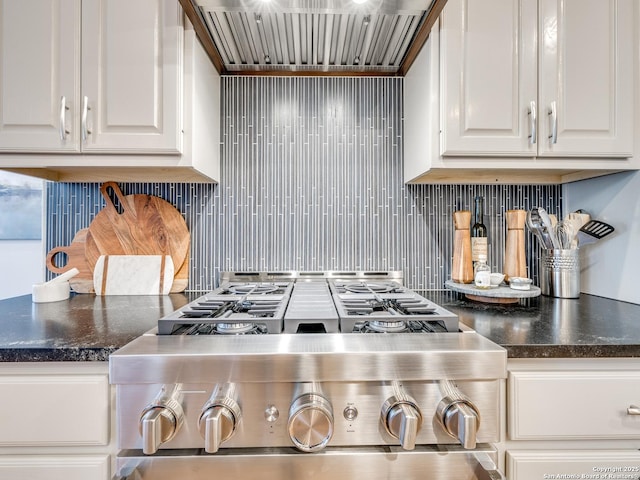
312,37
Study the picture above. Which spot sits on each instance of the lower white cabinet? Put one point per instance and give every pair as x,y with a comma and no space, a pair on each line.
565,404
55,421
572,419
573,464
54,467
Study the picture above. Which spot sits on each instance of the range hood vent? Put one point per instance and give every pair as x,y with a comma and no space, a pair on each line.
312,36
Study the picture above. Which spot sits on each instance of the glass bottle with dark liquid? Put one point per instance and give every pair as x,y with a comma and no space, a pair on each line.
479,243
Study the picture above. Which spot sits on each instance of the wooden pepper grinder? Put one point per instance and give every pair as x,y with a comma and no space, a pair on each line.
462,270
515,262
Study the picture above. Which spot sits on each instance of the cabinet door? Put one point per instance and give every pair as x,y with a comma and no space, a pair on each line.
80,415
488,65
586,70
131,71
39,65
543,405
55,467
555,465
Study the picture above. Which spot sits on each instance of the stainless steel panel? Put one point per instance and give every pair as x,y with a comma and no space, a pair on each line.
285,275
255,430
308,357
374,463
324,35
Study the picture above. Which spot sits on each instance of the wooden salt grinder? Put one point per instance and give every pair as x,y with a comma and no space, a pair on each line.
515,262
462,270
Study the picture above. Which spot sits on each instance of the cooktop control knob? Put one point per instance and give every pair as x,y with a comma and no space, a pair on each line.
219,418
402,419
458,416
161,420
218,422
310,419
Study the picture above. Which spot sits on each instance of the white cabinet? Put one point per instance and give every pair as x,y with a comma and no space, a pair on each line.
488,59
574,464
572,418
56,421
48,467
526,90
93,76
537,78
96,90
39,65
130,76
565,404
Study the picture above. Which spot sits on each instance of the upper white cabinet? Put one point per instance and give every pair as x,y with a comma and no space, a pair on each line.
110,82
130,76
530,90
40,75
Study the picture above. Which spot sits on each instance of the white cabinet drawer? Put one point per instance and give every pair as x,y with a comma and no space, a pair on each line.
47,467
554,465
54,410
563,405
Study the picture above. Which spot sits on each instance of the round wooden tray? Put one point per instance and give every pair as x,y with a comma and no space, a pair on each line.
501,294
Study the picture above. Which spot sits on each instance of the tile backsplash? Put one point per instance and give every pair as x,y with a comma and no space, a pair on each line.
312,180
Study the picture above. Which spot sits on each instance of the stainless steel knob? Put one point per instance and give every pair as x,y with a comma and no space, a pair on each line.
402,419
310,422
458,416
161,420
218,422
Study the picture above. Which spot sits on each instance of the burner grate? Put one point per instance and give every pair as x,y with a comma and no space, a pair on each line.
221,329
410,326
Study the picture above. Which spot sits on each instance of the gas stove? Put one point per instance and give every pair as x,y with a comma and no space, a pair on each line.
234,308
380,380
308,302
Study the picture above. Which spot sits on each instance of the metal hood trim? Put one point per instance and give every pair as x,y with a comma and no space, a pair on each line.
312,37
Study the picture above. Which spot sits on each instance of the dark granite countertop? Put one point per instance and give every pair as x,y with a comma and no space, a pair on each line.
89,328
545,327
83,328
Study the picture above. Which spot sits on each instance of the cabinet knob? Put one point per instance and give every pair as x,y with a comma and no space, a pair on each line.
633,410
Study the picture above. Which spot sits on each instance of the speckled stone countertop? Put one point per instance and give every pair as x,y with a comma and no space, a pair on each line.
545,327
83,328
89,328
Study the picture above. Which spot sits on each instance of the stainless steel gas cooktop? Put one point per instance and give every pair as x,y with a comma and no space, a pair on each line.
309,302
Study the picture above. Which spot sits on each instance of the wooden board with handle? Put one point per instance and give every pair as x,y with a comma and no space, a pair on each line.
75,252
146,225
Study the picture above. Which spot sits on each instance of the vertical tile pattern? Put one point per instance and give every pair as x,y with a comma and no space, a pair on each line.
312,174
312,180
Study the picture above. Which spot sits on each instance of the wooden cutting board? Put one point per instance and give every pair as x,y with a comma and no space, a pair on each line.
133,275
83,281
145,225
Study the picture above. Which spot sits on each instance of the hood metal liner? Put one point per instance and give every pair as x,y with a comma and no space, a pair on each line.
312,35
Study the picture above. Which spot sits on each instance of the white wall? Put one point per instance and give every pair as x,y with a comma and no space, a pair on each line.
21,265
610,267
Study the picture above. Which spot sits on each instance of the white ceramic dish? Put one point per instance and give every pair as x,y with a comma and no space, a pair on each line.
520,283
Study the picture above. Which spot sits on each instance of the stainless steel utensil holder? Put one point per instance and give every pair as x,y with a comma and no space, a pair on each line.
560,273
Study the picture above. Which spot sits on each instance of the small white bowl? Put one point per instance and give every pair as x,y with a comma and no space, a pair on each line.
50,292
520,283
496,279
